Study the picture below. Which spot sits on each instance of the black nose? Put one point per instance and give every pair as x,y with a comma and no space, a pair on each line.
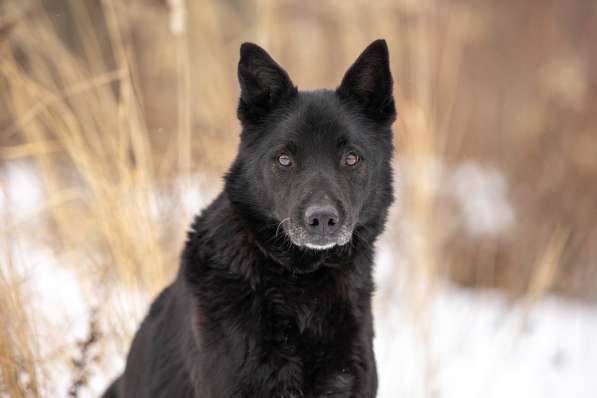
322,220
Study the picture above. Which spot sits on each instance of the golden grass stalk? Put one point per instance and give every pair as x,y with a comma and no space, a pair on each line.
546,270
19,360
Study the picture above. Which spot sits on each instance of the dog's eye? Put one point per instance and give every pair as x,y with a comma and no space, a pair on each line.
351,159
284,160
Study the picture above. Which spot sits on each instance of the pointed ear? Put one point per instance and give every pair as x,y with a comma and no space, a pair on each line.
368,84
263,83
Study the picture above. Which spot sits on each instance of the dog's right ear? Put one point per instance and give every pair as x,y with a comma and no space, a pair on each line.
368,83
263,83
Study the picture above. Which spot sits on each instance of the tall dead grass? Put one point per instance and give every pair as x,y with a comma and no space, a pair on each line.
20,371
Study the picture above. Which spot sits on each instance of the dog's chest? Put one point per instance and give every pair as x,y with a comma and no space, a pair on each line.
308,331
305,307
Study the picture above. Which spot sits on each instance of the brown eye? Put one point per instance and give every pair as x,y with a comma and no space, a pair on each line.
351,159
284,160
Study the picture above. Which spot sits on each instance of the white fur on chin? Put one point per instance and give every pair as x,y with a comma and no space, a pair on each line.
320,247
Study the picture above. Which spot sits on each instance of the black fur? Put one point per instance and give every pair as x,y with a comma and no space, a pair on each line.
253,311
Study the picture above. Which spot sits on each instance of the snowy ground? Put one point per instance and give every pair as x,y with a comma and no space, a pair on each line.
459,344
476,344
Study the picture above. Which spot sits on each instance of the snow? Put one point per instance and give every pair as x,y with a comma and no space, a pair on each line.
57,308
475,344
20,189
481,194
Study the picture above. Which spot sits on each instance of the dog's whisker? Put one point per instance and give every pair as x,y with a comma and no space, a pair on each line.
280,224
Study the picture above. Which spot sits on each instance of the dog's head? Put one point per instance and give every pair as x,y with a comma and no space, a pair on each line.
314,165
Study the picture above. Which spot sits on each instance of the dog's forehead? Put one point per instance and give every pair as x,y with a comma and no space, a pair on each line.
317,118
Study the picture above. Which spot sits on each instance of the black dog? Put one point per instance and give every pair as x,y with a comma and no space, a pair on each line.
273,296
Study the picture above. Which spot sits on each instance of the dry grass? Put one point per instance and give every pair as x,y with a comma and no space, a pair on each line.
114,100
19,366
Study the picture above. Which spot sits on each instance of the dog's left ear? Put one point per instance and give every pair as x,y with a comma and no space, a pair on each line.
263,83
368,83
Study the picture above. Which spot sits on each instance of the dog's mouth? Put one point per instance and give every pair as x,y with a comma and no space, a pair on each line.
300,237
320,247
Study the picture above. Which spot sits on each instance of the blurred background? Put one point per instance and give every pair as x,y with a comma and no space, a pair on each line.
117,121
